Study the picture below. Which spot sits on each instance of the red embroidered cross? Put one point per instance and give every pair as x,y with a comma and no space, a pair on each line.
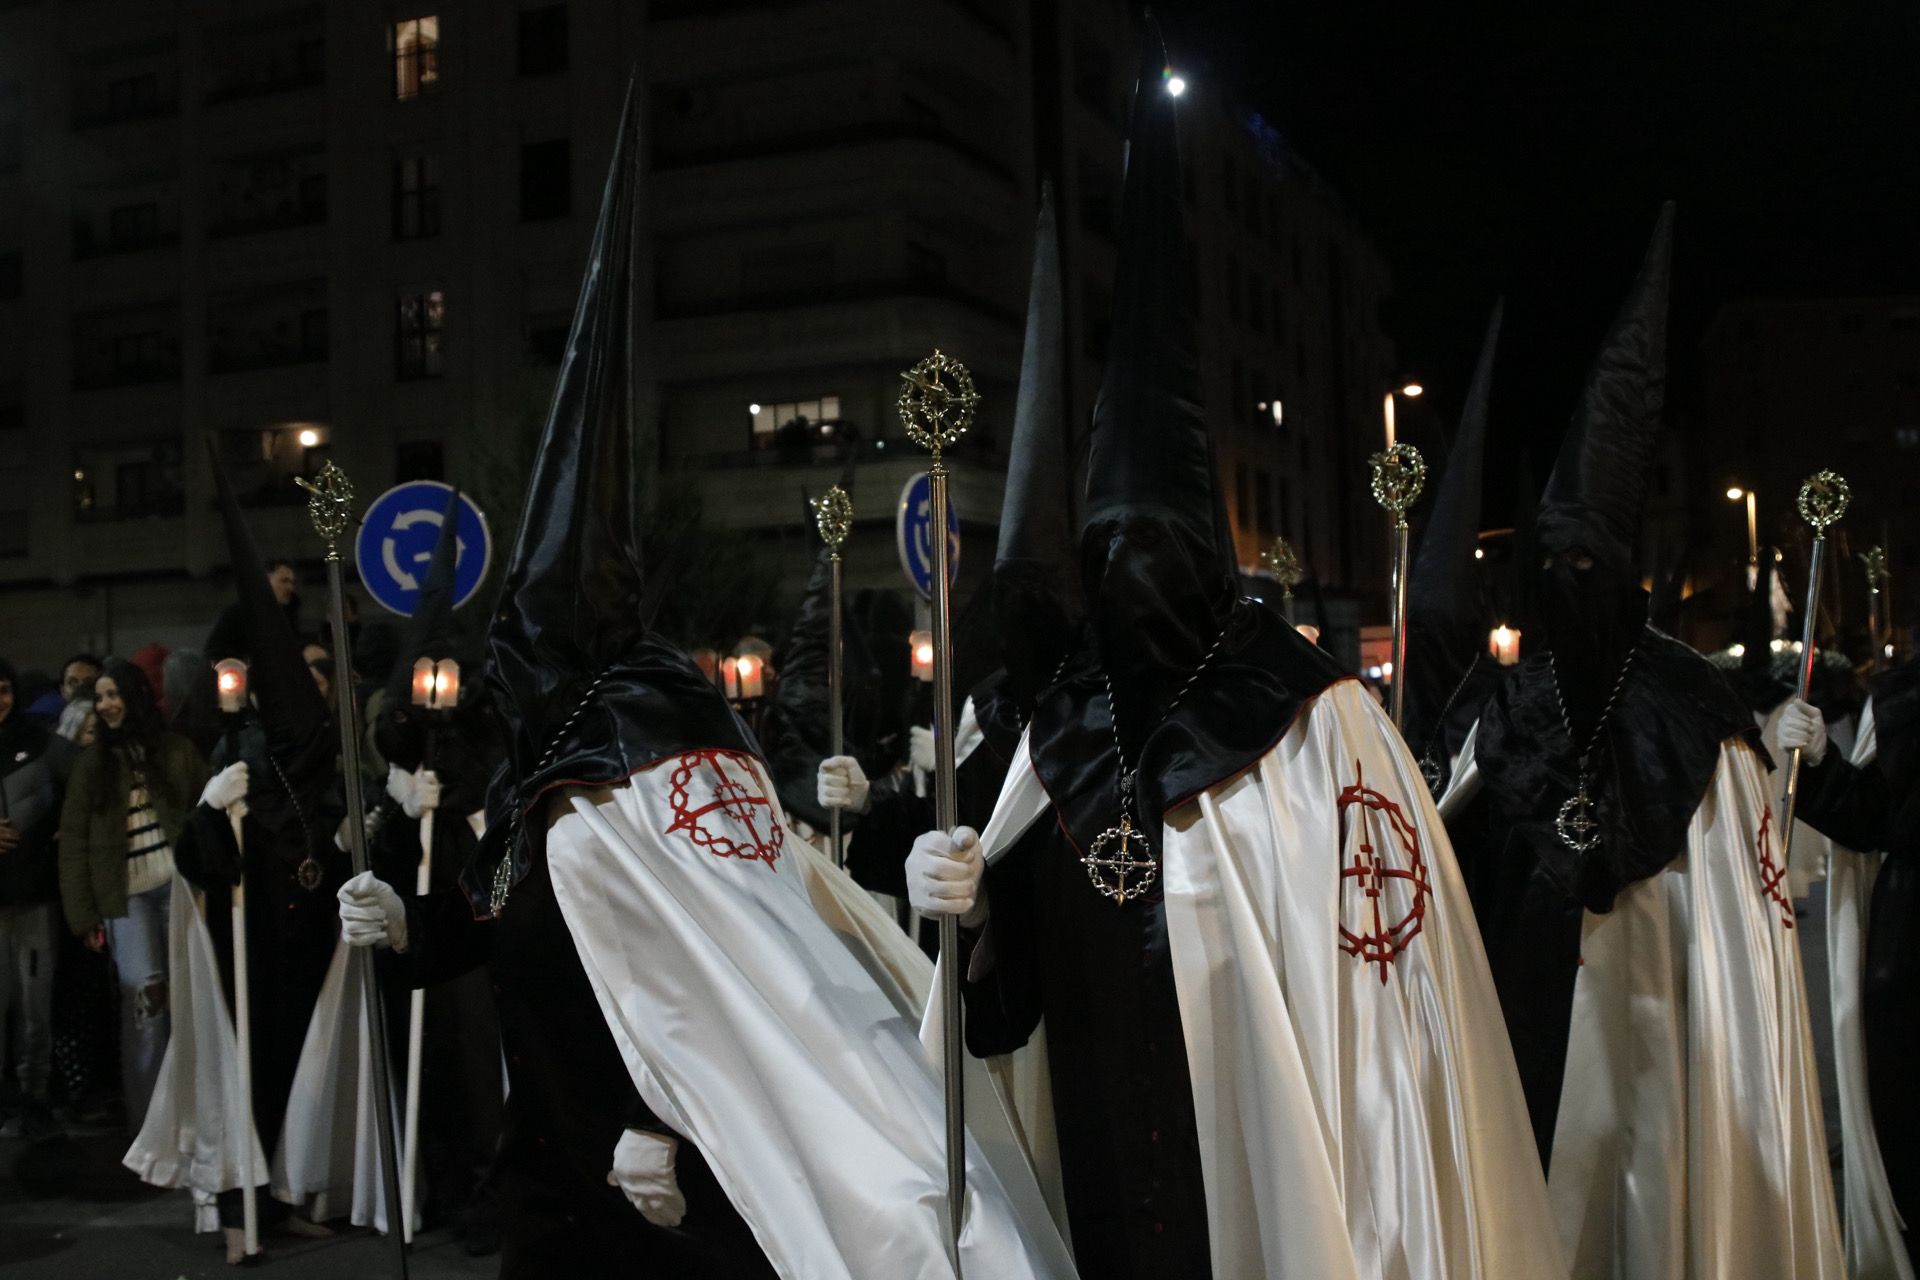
1379,941
1771,872
734,794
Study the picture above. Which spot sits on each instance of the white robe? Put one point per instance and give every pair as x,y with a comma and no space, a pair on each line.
328,1156
765,1008
1358,1108
1875,1250
1689,1143
196,1132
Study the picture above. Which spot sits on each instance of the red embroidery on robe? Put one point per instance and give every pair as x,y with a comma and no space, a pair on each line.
1772,873
709,788
1392,899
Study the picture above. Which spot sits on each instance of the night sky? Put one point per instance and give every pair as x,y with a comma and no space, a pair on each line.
1527,153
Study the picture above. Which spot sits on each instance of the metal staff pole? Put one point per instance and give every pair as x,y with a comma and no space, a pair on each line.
1823,500
833,514
1399,473
937,403
331,509
1875,561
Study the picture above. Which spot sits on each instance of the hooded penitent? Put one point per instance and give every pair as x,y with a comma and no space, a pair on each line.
1448,671
587,694
1155,559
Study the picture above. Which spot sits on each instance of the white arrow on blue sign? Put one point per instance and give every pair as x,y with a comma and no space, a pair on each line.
396,543
913,530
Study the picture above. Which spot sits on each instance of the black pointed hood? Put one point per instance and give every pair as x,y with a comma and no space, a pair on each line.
429,631
1597,495
571,602
289,705
1034,584
1447,622
587,693
1149,445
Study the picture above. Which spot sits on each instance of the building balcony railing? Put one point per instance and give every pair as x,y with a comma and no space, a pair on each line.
291,82
672,155
266,358
287,215
126,376
97,117
86,247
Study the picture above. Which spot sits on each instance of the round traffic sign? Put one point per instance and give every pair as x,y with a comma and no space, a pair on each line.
913,529
396,541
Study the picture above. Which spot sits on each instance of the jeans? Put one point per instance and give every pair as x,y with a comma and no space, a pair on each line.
138,941
27,948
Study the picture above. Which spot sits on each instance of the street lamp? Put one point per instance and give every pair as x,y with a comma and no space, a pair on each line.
1735,494
1413,391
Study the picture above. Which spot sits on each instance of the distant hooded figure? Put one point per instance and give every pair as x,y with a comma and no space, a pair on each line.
1218,884
690,997
1613,821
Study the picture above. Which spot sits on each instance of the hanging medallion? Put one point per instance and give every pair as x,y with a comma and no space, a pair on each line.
308,874
1578,827
1121,863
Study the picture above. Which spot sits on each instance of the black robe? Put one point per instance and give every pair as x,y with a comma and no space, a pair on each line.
291,930
1877,809
1101,975
1529,890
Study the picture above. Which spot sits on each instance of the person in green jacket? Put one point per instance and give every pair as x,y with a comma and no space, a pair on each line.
126,801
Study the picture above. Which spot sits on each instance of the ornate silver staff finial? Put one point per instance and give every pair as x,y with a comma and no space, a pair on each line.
937,403
833,516
1399,474
329,506
1824,499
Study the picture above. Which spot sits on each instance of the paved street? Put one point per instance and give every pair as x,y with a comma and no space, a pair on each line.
68,1211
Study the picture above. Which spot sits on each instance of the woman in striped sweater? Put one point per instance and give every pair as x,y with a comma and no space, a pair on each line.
128,796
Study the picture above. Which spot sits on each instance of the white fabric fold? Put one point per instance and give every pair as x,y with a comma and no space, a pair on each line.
767,1011
1875,1247
1689,1142
196,1132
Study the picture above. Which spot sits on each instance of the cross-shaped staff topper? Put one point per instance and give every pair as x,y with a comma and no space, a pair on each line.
1399,474
1824,498
833,515
937,401
329,506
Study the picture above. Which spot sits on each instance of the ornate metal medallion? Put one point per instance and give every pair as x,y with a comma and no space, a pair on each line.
1578,827
308,874
1121,863
1431,770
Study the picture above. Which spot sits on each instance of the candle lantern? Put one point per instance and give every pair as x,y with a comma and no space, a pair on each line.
230,678
1503,645
922,644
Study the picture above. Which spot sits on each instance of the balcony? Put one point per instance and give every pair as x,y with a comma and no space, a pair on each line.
310,213
127,375
266,354
87,245
268,82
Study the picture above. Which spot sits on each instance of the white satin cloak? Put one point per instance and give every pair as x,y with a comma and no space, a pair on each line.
1358,1118
766,1009
1689,1143
196,1132
328,1153
1875,1250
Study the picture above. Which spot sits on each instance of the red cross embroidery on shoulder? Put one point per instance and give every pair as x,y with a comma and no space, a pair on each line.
720,806
1391,899
1772,873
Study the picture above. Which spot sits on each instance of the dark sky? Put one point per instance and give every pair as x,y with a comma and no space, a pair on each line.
1527,152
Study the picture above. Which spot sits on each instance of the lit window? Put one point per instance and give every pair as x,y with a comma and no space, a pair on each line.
795,422
419,353
416,196
416,56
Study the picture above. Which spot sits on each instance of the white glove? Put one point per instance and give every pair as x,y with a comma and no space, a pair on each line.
227,788
415,793
843,784
371,913
1804,727
920,747
943,876
643,1170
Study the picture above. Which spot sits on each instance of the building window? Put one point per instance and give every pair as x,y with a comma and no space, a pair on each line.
419,352
416,56
10,276
419,460
136,354
416,197
1906,437
543,40
546,180
133,224
133,95
800,423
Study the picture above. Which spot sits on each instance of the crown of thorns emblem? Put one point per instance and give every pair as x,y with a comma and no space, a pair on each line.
1772,874
1392,900
708,788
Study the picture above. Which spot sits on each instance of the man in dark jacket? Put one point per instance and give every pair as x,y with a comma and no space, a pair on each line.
33,769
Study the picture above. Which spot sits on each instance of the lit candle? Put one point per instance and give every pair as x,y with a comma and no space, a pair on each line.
750,685
1503,644
922,658
730,677
1389,415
